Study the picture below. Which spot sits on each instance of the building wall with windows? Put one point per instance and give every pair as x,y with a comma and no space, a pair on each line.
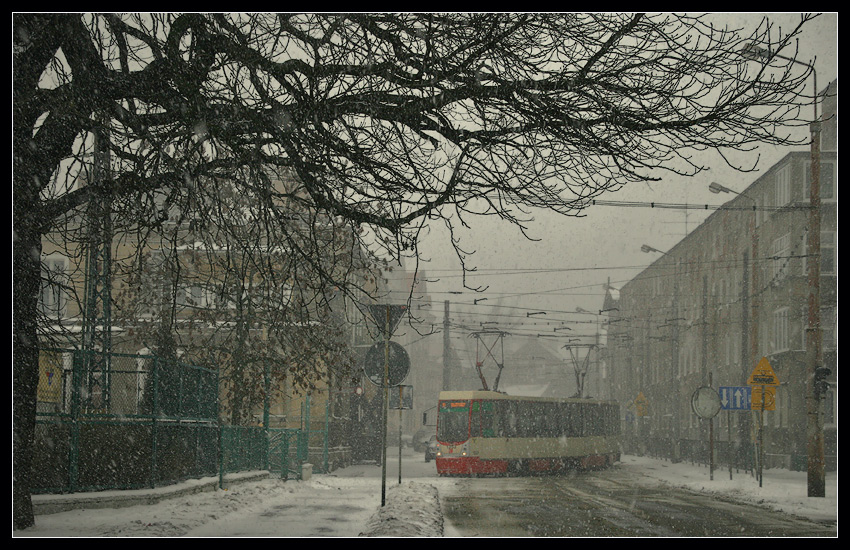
733,291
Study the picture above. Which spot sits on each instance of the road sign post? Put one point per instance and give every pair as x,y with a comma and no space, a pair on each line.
386,319
763,381
705,402
734,398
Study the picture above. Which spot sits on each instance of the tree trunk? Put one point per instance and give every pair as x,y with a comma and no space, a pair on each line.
26,272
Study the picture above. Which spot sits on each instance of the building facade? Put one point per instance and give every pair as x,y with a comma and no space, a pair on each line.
732,292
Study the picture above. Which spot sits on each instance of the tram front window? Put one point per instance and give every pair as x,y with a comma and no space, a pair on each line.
453,422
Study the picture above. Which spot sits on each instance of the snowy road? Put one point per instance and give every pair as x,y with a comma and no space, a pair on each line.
609,503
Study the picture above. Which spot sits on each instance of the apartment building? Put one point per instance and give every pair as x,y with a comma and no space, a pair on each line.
732,292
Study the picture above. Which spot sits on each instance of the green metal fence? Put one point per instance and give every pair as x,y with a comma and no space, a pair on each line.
287,452
143,422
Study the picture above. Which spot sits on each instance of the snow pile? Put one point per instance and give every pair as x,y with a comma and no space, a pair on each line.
412,509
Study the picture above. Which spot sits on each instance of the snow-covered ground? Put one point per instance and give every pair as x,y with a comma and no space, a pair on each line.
347,503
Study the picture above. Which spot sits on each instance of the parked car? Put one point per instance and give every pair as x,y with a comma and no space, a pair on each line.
431,449
420,438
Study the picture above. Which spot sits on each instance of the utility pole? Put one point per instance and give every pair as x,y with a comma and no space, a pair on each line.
97,312
815,370
744,420
816,476
446,348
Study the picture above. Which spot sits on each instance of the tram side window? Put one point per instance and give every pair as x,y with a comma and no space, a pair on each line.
568,419
537,419
510,419
553,425
614,419
594,420
499,419
475,420
581,420
547,424
488,419
561,419
523,420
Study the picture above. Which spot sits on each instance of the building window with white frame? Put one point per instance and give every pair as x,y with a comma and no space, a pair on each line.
827,253
53,299
826,181
782,186
780,252
780,330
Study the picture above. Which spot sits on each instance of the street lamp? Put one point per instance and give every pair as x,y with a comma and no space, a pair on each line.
814,356
715,187
647,248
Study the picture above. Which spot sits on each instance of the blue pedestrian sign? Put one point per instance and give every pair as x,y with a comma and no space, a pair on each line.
735,398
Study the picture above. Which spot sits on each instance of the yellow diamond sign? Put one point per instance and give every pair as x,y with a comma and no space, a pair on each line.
763,375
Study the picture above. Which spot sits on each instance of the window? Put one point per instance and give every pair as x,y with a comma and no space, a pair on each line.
780,330
54,298
781,408
827,181
829,408
827,252
780,252
827,329
782,186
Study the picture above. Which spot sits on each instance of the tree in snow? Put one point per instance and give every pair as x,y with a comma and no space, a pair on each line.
389,121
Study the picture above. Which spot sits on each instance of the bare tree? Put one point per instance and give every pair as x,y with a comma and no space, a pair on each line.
232,292
390,121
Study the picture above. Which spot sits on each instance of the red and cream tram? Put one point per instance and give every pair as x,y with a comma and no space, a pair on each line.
486,432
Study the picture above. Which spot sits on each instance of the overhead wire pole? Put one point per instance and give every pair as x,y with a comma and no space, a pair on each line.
97,312
815,470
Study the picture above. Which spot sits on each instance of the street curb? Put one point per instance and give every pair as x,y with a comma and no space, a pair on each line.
52,504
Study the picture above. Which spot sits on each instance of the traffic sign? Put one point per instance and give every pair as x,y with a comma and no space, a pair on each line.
705,402
399,364
763,375
383,314
735,398
401,397
641,405
769,398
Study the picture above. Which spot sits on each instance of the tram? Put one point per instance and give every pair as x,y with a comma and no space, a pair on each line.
487,432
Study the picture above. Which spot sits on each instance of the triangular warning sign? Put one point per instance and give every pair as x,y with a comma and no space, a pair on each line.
386,314
763,375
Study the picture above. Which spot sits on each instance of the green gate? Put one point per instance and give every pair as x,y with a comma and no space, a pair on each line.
287,451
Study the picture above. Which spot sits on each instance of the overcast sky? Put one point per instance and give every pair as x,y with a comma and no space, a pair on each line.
565,270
